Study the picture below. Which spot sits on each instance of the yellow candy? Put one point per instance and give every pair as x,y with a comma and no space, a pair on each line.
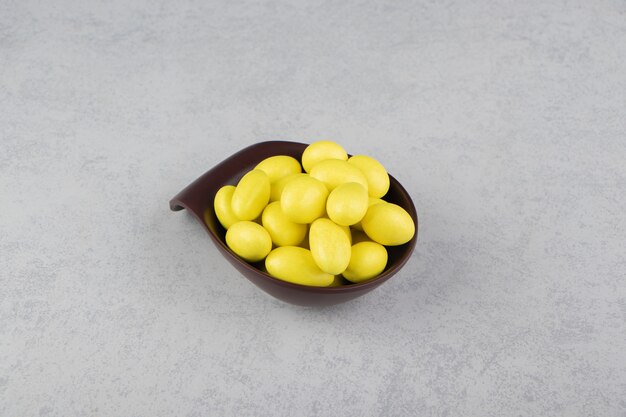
370,201
251,195
333,173
374,171
249,240
338,281
321,150
305,242
367,261
258,219
330,246
359,236
346,230
223,209
283,231
388,224
304,199
296,265
278,186
347,204
279,166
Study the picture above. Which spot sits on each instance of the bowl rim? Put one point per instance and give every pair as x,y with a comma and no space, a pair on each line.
179,202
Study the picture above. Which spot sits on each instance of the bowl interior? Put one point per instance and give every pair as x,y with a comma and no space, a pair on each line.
198,199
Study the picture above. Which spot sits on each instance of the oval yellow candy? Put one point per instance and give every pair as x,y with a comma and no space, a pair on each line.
279,166
347,204
296,265
368,260
370,201
330,246
278,186
223,209
321,150
304,199
375,172
251,195
249,240
333,173
283,231
388,224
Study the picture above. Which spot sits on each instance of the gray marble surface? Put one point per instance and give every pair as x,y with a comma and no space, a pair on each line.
506,121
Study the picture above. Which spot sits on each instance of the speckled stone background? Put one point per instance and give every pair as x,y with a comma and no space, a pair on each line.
506,121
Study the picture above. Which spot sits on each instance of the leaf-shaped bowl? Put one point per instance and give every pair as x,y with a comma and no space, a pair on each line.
198,197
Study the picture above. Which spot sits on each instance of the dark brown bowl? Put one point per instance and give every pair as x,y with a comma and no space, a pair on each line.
198,199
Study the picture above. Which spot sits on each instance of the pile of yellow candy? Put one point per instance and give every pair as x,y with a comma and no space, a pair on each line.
314,227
